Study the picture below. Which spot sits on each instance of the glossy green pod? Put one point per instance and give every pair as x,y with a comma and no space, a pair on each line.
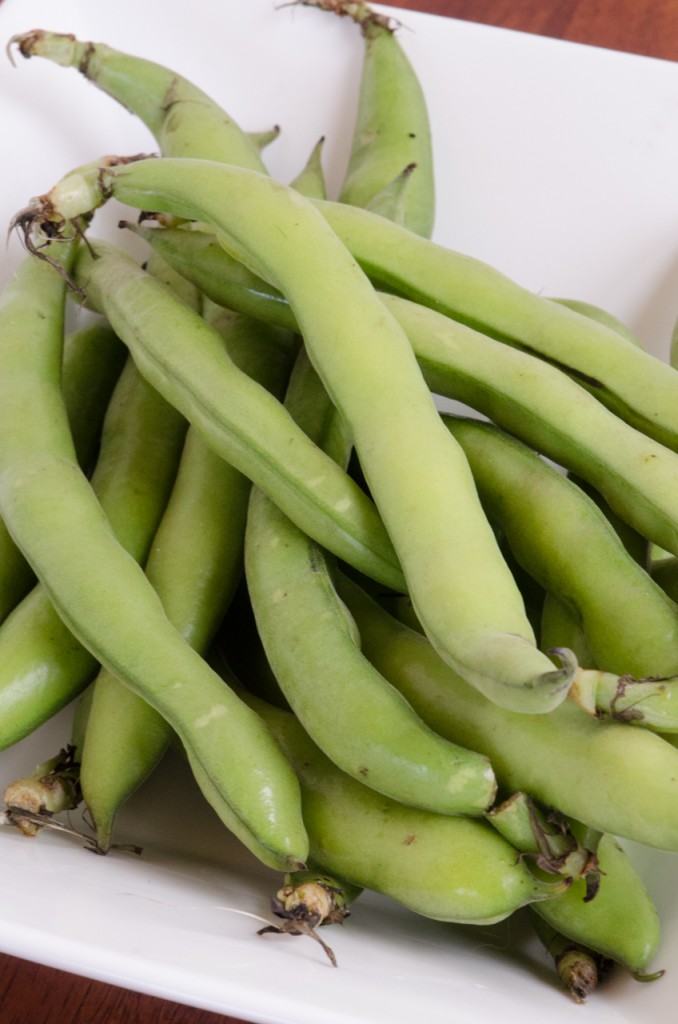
354,715
443,867
102,594
489,638
611,776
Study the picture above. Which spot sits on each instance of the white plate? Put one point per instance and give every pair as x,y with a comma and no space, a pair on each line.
555,162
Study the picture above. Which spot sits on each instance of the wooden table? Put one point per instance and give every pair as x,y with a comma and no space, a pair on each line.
32,994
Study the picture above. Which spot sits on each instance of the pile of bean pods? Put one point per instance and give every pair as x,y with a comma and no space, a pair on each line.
275,523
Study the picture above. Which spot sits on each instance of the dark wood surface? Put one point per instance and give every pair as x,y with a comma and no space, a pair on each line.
33,994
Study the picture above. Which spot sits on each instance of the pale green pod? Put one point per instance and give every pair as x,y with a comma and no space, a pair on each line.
487,634
392,128
445,867
621,921
563,539
183,119
42,665
527,397
611,776
637,386
251,430
92,360
357,718
102,594
354,715
194,564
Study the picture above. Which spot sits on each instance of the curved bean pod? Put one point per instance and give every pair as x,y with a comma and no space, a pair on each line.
356,717
104,597
93,358
560,536
392,129
620,922
184,120
194,565
566,542
126,735
527,397
251,430
393,755
610,776
445,867
42,666
397,432
635,385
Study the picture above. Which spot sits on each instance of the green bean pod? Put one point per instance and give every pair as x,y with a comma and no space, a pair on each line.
194,565
42,666
397,432
541,406
536,402
561,537
93,358
620,922
251,430
566,542
392,129
184,120
445,867
610,776
357,718
102,594
635,385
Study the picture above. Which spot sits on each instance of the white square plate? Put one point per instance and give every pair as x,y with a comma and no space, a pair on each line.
556,163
